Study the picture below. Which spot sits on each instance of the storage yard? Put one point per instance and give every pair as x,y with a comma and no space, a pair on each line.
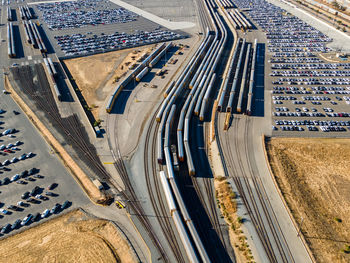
313,176
74,237
96,75
137,117
105,28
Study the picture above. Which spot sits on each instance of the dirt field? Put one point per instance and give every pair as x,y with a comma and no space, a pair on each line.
74,237
313,175
95,74
226,199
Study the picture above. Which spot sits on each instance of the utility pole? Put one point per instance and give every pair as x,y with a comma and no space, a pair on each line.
301,223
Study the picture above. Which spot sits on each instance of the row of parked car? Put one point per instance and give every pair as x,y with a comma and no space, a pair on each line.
33,218
295,60
309,73
22,178
298,74
82,44
74,14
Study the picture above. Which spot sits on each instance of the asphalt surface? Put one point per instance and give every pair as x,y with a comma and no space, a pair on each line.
44,160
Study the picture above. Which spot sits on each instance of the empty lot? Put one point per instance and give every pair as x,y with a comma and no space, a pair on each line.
74,237
313,175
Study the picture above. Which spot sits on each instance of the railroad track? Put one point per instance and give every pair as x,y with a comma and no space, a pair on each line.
242,179
210,206
71,126
271,217
130,196
160,208
72,129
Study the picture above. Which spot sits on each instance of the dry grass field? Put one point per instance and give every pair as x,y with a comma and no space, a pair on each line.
94,75
74,237
314,177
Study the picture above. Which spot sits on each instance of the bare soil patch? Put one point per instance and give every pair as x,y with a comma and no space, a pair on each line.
96,75
73,237
314,178
226,200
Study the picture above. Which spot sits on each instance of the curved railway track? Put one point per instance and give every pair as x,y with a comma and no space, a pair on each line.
72,130
130,195
249,187
160,208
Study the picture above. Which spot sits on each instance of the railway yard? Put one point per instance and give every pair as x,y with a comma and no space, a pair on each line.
145,104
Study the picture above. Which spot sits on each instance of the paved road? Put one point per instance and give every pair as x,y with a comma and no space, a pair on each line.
154,18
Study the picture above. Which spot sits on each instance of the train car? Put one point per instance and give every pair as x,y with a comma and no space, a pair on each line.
44,49
13,42
112,98
156,59
28,12
126,81
52,66
185,238
168,125
26,33
235,79
205,101
31,37
57,91
37,42
251,82
153,54
243,83
167,191
170,87
9,14
48,66
190,164
9,41
175,159
142,74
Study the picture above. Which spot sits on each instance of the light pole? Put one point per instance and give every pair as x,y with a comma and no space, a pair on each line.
302,220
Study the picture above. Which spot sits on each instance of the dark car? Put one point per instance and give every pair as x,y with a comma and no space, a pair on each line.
24,174
35,190
16,224
66,204
12,207
55,209
25,195
6,180
33,171
6,229
50,194
37,217
52,186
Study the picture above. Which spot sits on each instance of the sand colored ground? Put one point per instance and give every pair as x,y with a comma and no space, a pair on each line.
314,178
226,199
95,74
74,237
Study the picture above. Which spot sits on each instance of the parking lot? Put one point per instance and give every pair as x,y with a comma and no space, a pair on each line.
33,184
76,28
309,95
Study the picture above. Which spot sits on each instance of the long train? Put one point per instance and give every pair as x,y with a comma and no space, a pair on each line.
138,73
197,80
11,47
52,72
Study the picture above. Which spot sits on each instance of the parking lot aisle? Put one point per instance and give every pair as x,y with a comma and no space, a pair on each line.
44,180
